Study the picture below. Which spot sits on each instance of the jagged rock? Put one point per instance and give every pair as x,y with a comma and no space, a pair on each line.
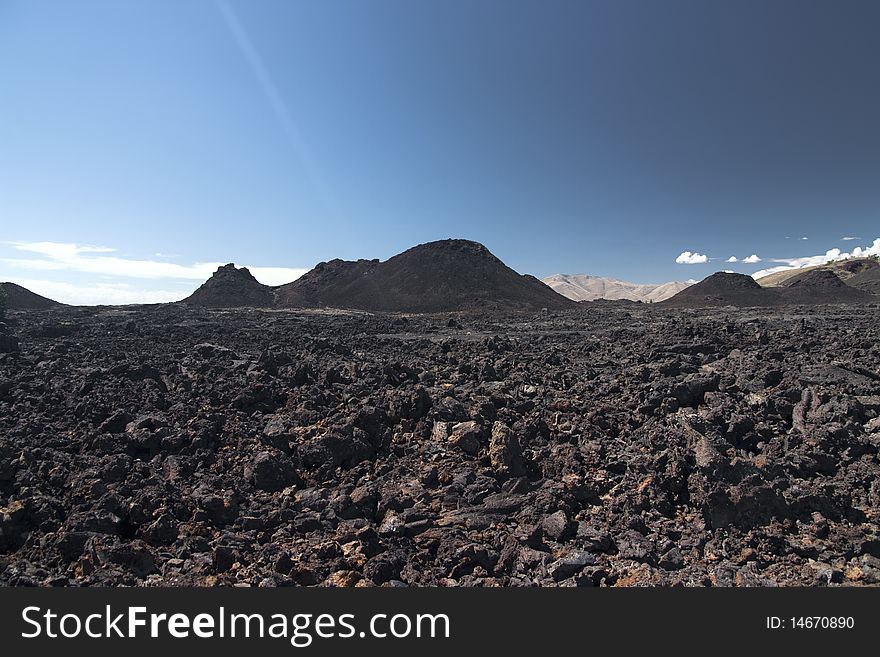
271,472
571,564
613,446
558,527
467,436
504,451
231,287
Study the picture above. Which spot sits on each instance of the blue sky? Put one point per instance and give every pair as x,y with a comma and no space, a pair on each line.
144,143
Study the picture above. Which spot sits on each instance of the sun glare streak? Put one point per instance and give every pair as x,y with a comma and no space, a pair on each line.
279,107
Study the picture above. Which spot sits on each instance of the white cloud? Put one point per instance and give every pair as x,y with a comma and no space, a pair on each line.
849,239
276,275
770,270
733,259
88,263
60,250
61,256
805,238
99,293
873,250
688,258
752,259
829,256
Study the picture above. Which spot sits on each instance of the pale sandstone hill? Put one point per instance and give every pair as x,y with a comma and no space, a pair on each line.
583,287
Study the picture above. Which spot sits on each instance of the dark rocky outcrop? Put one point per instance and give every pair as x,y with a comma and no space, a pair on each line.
812,287
328,284
232,287
447,275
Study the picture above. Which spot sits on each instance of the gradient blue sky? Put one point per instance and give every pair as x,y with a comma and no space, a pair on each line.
603,137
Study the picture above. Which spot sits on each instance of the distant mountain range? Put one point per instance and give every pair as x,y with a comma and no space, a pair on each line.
583,287
458,275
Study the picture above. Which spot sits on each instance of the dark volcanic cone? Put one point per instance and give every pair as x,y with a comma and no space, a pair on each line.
867,280
230,287
723,289
20,298
814,287
447,275
823,286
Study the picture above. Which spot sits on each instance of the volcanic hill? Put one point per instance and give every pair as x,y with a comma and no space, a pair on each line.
724,289
231,287
328,284
812,287
20,298
844,269
822,286
867,280
447,275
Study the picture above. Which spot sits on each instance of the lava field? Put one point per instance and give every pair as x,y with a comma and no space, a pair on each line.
605,445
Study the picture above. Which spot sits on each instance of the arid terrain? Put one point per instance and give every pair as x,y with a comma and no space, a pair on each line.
583,287
602,445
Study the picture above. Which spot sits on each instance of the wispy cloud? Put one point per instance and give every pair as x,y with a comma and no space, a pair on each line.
830,255
849,239
63,256
96,294
101,274
688,258
57,256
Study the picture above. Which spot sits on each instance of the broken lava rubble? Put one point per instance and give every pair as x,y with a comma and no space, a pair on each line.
602,446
